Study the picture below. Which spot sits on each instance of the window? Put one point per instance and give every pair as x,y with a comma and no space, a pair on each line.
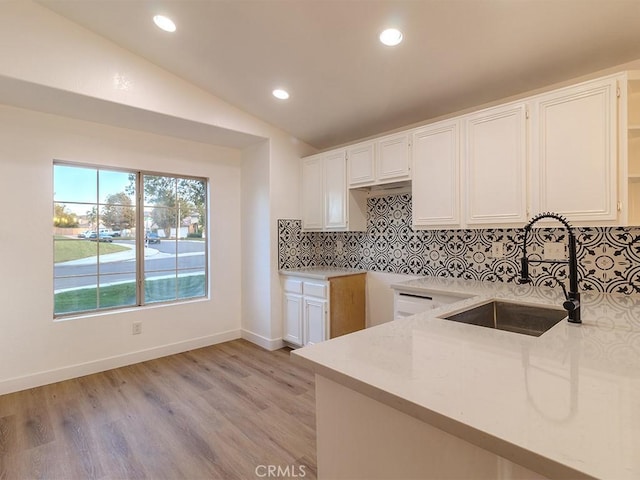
126,238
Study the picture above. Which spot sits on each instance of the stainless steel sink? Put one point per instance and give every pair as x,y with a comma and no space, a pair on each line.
513,317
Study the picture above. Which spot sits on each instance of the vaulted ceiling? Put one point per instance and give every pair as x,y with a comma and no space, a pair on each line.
344,84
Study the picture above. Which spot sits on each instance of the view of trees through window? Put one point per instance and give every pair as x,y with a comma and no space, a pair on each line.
125,238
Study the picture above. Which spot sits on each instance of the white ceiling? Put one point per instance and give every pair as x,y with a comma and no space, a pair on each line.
344,84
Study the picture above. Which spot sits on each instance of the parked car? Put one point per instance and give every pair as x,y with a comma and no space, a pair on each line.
100,237
151,237
85,234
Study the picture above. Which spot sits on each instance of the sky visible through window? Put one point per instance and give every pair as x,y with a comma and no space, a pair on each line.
74,185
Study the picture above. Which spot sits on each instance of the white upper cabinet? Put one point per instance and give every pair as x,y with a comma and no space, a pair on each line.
312,193
327,204
574,152
335,190
495,159
362,165
393,158
435,152
381,161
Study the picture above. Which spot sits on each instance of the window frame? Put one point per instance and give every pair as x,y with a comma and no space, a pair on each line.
140,243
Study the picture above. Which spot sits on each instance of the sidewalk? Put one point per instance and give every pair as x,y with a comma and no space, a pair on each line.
123,256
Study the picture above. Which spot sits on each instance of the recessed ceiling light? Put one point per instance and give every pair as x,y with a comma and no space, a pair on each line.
165,23
391,37
281,94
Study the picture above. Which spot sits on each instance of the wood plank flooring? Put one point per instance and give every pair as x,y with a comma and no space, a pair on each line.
219,412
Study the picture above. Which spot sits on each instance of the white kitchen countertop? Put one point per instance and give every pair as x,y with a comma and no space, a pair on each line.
321,273
565,404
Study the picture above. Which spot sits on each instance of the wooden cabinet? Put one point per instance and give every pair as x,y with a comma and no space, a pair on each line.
495,159
327,204
574,154
378,162
316,310
435,162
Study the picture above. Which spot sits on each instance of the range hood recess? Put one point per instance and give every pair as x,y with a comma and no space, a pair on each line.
395,188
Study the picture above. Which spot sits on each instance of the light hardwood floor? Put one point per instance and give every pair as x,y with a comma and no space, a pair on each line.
219,412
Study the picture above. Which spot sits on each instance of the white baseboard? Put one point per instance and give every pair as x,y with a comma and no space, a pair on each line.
73,371
264,342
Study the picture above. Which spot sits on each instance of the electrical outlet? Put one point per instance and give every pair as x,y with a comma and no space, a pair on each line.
497,250
553,251
339,247
136,328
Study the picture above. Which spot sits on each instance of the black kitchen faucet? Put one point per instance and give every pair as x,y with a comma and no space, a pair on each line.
572,297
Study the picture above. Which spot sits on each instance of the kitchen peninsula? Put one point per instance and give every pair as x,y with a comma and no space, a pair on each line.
423,397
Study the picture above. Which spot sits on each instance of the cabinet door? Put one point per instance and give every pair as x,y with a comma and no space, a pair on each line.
393,158
312,193
361,164
315,316
495,166
335,190
575,152
293,315
435,156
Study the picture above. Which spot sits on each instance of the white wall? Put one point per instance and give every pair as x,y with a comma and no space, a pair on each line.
256,246
285,202
36,349
52,65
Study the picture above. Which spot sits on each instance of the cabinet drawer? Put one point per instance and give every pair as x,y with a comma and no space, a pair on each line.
293,286
315,289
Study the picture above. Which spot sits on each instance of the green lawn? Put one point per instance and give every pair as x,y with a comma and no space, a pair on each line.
66,249
122,295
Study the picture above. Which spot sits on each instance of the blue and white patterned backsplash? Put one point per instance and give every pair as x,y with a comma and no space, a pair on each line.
608,257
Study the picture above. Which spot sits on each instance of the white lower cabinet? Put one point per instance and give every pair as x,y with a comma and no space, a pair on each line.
293,315
316,310
315,320
305,311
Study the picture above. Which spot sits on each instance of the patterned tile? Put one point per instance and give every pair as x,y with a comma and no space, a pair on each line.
609,258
